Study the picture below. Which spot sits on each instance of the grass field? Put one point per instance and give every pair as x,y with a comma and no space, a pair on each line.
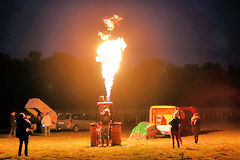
213,144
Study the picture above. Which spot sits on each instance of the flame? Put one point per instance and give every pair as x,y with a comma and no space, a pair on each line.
109,22
110,52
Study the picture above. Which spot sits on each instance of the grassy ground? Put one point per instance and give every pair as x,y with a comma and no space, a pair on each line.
69,145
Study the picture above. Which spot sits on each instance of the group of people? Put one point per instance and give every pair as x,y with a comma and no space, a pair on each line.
21,128
176,127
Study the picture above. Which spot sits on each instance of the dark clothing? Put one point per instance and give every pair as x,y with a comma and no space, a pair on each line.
20,146
22,125
175,124
174,134
39,124
23,134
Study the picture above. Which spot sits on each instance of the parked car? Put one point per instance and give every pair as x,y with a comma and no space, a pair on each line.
73,121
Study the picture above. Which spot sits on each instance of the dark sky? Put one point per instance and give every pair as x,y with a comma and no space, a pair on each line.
178,31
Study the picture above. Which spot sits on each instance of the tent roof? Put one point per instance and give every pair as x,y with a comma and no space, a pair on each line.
35,105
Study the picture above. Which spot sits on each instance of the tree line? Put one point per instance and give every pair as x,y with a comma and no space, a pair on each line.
67,83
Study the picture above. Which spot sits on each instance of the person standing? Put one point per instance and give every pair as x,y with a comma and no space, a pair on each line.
175,123
195,123
13,125
104,120
39,123
23,132
181,117
46,123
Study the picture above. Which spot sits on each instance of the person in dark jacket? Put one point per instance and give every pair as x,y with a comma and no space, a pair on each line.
13,123
175,123
23,132
39,124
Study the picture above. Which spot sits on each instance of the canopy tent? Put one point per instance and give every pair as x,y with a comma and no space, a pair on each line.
36,107
144,130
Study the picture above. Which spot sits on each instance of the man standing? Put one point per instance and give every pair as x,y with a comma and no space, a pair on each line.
46,123
105,118
13,123
23,132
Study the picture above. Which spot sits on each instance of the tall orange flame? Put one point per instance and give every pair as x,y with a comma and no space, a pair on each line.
110,52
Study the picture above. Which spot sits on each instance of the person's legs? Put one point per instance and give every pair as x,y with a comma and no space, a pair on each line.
196,138
11,132
26,147
107,134
103,134
179,136
172,136
102,141
45,131
20,147
14,131
48,130
99,138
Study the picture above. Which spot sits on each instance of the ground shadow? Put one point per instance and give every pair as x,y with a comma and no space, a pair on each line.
209,131
201,132
3,135
9,157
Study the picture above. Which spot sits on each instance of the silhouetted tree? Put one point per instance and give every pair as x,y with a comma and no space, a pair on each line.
67,83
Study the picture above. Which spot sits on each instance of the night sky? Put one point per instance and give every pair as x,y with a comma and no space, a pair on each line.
177,31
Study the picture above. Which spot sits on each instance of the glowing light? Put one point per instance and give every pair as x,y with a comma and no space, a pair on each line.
110,53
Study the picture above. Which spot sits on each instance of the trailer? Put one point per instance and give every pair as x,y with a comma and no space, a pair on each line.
161,115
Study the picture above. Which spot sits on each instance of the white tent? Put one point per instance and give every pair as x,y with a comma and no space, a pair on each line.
36,106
